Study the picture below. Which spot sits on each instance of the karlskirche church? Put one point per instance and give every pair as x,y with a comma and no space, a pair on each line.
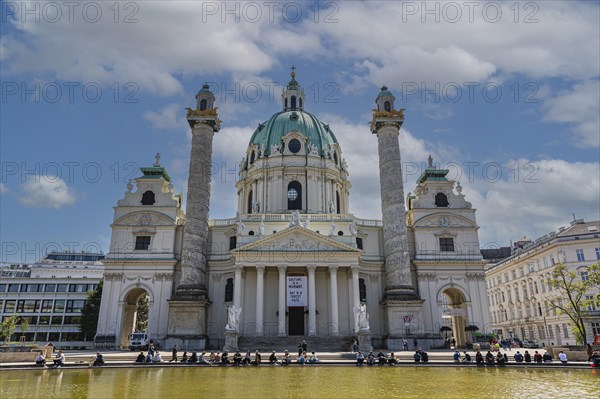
293,262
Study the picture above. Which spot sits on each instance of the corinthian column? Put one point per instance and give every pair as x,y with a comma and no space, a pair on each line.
398,282
204,123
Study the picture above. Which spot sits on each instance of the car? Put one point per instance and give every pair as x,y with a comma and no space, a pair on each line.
530,344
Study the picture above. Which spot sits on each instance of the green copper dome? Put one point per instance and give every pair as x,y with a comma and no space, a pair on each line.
280,124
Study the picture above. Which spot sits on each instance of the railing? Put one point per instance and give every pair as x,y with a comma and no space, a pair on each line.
286,217
437,255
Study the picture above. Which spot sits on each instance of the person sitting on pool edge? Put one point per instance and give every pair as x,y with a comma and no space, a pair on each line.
392,361
141,358
40,360
99,360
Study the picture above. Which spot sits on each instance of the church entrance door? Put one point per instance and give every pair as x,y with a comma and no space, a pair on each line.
296,321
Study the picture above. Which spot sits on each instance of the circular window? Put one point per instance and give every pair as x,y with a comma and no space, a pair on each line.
340,233
251,233
292,194
294,146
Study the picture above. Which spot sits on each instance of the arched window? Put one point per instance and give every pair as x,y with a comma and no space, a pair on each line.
294,195
148,198
293,102
337,202
285,103
441,201
229,290
249,209
300,101
335,158
252,157
387,106
202,105
362,290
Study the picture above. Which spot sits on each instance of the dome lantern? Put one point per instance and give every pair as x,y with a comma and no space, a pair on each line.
385,100
292,97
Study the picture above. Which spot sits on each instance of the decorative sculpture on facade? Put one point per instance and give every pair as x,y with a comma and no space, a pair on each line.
295,221
233,317
261,226
332,228
255,206
361,317
275,149
240,226
313,150
353,228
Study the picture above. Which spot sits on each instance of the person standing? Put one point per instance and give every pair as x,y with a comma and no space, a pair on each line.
405,344
304,346
174,358
415,344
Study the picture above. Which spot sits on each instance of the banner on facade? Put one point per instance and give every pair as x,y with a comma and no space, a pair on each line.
296,291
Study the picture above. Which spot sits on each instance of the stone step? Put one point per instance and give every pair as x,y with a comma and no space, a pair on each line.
317,344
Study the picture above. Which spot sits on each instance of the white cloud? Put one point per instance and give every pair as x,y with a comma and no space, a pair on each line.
3,188
46,192
534,201
581,107
171,116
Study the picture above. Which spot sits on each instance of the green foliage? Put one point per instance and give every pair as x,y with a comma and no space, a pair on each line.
141,321
8,326
90,313
571,295
24,325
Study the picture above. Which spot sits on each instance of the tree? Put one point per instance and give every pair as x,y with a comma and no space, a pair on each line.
8,326
24,325
141,321
573,296
90,313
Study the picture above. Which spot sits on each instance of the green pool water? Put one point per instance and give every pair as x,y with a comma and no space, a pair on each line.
301,382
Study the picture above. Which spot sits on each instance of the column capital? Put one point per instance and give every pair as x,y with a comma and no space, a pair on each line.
238,268
311,268
260,268
282,268
333,268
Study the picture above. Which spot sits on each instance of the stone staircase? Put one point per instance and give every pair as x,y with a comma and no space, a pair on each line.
279,344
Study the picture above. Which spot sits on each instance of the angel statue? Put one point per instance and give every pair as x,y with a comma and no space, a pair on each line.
233,317
361,317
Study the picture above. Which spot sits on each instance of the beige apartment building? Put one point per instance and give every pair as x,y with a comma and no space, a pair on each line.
519,292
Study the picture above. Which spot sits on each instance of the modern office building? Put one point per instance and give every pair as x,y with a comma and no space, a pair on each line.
50,294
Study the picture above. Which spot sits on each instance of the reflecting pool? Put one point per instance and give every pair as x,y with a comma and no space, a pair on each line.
301,382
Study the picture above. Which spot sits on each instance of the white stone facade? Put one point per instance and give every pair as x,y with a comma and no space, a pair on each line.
293,220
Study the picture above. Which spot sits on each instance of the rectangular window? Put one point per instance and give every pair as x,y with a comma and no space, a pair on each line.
584,276
57,320
9,306
597,255
59,306
359,243
446,244
13,288
2,287
229,290
23,287
30,306
47,306
54,336
74,306
580,256
565,330
232,242
142,243
34,287
61,288
50,288
44,320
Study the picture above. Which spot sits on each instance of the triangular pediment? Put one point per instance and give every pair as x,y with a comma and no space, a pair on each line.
296,239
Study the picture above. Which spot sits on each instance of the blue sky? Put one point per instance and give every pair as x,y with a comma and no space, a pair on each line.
88,98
